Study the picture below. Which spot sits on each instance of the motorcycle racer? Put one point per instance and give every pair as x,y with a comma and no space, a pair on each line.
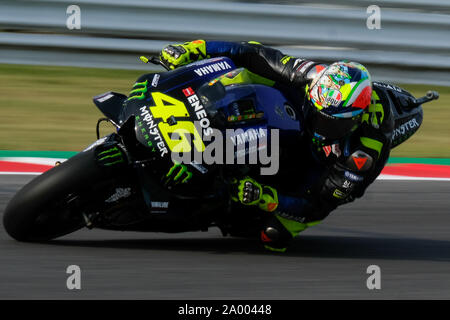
348,129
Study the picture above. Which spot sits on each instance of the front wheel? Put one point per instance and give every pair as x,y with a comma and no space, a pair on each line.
48,206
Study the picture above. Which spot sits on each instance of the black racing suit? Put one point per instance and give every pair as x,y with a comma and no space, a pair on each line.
311,185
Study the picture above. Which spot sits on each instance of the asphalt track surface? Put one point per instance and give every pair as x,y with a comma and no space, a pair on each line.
402,226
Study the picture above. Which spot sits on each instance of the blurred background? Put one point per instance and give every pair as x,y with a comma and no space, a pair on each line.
50,69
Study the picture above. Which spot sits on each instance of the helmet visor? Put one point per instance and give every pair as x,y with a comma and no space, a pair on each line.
327,127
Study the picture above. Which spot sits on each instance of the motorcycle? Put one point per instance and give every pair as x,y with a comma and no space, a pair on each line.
122,181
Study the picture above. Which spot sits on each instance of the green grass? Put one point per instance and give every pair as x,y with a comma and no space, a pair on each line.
51,108
433,138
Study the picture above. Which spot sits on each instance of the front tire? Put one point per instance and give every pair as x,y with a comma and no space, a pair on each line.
40,210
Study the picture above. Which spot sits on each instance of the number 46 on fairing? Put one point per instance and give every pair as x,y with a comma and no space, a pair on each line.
167,107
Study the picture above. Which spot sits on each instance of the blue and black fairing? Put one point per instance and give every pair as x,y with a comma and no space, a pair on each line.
251,110
267,107
278,111
241,100
111,105
407,114
174,84
274,111
118,107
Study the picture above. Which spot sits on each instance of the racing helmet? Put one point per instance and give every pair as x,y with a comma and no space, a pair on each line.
336,100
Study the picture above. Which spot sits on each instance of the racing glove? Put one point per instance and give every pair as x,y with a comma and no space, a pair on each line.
177,55
249,192
339,185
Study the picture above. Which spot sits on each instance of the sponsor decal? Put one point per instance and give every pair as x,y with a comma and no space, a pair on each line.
139,91
387,86
188,92
199,167
105,97
334,98
109,156
347,184
304,66
120,193
359,161
336,150
285,59
292,217
212,68
353,177
155,80
332,148
248,136
176,173
147,118
199,110
164,205
159,206
338,194
327,150
404,128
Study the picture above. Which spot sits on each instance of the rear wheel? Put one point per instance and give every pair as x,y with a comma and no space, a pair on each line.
49,205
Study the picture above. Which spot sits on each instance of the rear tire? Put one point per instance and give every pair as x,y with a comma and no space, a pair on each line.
39,211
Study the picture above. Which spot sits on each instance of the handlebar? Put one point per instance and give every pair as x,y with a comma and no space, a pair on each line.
430,96
154,60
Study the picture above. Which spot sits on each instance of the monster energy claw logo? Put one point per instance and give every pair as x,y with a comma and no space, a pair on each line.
140,88
110,156
178,173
